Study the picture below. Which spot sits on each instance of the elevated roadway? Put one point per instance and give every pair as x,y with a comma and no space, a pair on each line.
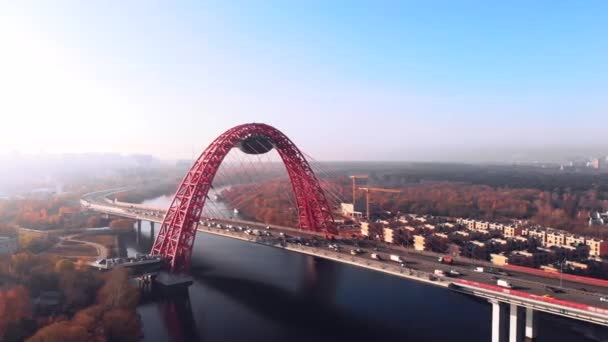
533,292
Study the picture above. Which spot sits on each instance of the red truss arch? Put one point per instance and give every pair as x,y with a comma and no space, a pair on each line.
176,235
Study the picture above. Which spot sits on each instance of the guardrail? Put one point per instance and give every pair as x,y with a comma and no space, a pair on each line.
526,295
380,266
565,276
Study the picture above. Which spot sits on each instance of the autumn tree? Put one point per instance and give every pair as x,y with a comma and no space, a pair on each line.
122,325
117,292
122,225
64,331
15,311
64,265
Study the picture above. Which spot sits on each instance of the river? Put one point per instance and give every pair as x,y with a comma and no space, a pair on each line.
248,292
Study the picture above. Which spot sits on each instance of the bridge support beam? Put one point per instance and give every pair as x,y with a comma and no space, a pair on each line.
531,325
495,320
515,334
138,235
152,229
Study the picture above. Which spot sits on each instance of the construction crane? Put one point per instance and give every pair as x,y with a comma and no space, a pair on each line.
370,190
354,178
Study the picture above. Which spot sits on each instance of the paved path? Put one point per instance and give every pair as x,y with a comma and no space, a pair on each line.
102,251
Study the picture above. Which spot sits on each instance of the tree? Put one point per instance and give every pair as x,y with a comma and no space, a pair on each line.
79,288
122,225
21,264
64,331
15,309
122,325
64,265
94,222
117,292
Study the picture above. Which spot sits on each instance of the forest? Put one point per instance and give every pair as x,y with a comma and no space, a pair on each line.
90,306
547,198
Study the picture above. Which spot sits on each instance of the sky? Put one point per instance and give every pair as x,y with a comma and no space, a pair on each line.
345,80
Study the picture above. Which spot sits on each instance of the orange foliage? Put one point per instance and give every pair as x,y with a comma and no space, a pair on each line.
15,306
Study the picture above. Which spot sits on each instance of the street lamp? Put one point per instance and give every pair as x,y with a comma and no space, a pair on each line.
561,272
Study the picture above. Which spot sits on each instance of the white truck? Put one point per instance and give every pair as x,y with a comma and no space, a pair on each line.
376,256
396,258
439,273
504,283
478,269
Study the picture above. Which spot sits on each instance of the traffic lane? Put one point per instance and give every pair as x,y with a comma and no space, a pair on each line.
491,279
526,281
554,282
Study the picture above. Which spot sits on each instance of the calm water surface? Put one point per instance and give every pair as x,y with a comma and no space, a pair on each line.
248,292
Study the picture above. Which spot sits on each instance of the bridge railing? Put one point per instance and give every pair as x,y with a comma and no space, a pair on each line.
565,276
517,293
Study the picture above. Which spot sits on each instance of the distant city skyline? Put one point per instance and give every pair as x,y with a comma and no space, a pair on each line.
445,81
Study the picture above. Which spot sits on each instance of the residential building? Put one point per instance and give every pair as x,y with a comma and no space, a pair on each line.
468,223
462,233
524,258
478,243
482,225
349,211
574,240
390,235
499,259
499,241
496,226
512,231
555,238
429,226
538,234
365,228
441,235
597,247
419,242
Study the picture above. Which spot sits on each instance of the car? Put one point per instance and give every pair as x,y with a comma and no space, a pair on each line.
603,299
547,296
454,273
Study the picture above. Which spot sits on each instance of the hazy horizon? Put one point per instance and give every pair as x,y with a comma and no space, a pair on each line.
472,82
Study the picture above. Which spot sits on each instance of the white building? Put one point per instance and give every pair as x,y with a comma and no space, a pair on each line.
349,210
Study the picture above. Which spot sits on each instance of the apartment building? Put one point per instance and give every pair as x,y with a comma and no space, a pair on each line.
512,231
597,247
390,235
365,228
574,240
538,234
555,238
419,242
496,226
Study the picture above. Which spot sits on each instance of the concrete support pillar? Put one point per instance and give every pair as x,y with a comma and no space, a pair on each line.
138,234
515,334
495,320
152,229
531,325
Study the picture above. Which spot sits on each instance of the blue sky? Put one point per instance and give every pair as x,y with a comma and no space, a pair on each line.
346,80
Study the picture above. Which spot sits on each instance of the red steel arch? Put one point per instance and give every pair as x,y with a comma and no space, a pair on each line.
176,235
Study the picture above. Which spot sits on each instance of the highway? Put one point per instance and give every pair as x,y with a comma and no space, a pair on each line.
425,262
